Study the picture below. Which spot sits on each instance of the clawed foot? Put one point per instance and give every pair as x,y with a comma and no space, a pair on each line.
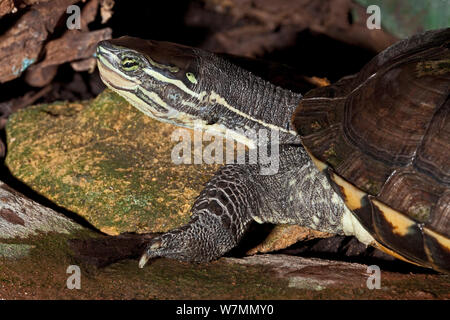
173,244
183,245
199,241
151,251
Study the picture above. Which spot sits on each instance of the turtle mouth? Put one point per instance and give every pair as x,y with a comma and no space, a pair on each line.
106,61
113,79
130,87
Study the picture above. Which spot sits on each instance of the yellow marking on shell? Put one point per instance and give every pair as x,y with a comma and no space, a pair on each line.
352,195
319,164
379,246
400,222
350,223
433,67
442,240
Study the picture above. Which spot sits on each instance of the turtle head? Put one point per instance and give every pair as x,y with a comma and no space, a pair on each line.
188,87
161,79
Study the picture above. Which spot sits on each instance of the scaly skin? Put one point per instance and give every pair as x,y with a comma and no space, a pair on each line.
239,194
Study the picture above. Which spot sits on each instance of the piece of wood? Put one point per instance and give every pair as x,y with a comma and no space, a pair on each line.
25,42
39,77
21,45
72,46
13,105
283,236
21,217
106,11
7,6
88,14
88,64
252,28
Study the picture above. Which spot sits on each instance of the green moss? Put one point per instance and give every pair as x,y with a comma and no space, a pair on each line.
105,161
42,274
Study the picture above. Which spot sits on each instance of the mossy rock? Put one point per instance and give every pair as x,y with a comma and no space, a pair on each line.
105,161
42,274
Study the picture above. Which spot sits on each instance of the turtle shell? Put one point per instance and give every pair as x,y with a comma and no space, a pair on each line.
383,138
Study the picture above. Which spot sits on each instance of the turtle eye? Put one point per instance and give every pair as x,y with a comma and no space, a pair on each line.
191,77
130,64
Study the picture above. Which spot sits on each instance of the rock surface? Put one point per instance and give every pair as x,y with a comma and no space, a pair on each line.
310,273
105,161
283,236
42,274
21,218
14,250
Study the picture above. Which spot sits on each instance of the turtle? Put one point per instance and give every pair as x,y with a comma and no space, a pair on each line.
367,156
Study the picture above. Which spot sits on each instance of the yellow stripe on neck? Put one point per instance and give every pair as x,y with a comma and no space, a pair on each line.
213,97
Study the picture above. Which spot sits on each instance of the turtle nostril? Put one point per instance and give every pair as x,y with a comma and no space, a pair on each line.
97,51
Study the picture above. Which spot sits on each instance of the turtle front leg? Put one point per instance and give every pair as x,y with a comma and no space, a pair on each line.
220,217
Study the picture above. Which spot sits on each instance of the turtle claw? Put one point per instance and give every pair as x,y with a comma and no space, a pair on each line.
143,260
150,252
200,240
